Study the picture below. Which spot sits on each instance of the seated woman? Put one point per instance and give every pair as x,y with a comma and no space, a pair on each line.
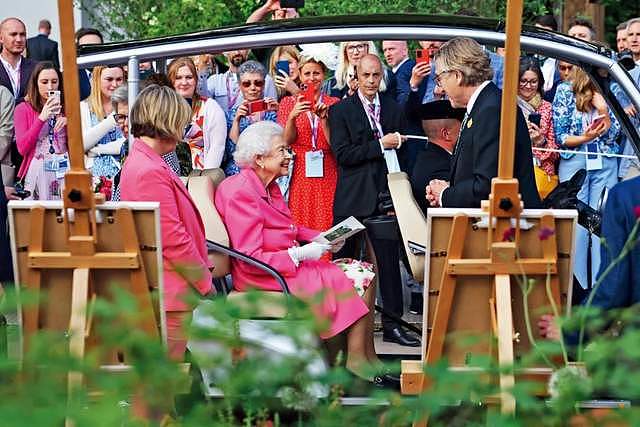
157,119
260,225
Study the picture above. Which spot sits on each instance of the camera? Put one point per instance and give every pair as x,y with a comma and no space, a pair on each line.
257,106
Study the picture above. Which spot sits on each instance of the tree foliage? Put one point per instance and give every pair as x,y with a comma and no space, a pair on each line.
134,19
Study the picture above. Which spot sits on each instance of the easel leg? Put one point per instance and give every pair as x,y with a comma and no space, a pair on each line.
77,327
505,340
30,314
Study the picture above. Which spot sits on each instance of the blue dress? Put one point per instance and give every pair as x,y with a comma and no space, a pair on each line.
568,121
228,164
106,164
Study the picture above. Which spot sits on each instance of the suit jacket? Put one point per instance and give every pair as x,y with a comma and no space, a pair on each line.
26,68
432,162
41,48
362,171
146,177
402,76
620,288
475,159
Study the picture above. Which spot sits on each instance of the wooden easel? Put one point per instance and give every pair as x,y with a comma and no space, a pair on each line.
503,207
79,217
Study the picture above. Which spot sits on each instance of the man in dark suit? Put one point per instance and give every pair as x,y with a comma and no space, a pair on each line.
441,124
14,69
464,73
86,36
41,48
366,140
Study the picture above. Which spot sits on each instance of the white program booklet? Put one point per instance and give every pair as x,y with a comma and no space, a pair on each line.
342,231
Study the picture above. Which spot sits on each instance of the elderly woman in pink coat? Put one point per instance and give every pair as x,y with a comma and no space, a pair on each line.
157,120
259,224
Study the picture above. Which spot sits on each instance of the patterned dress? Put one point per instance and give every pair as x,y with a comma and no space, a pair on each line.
45,176
310,199
194,136
106,164
228,164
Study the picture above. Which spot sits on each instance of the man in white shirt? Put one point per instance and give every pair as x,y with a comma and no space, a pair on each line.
224,88
14,70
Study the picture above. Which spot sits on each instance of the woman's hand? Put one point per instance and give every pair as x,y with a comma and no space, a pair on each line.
597,128
51,108
283,81
534,133
242,111
353,86
272,104
61,122
300,107
322,110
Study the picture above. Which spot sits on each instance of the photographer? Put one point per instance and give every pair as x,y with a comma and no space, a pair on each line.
279,9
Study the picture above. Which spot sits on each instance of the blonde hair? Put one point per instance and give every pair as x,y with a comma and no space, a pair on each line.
342,70
583,89
159,112
467,56
275,56
95,97
172,73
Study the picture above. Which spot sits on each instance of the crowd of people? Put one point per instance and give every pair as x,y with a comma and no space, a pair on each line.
306,136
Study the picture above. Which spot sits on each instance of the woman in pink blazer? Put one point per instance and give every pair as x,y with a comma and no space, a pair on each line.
259,224
157,120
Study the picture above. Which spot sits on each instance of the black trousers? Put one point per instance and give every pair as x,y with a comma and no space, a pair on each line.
388,263
6,267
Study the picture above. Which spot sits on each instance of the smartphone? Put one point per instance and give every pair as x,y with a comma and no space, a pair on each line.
291,4
282,66
309,93
257,106
422,55
54,94
535,119
597,120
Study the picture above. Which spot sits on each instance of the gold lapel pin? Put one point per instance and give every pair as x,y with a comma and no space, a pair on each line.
469,123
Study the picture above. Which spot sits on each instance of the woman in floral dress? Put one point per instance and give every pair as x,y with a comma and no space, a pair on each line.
41,138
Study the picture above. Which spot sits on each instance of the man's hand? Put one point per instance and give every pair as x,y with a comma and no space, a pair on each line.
434,190
10,193
418,73
392,140
548,327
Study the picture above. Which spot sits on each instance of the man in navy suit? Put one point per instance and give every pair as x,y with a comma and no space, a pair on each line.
397,56
40,48
14,69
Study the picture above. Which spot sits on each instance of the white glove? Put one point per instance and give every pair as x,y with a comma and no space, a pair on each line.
310,251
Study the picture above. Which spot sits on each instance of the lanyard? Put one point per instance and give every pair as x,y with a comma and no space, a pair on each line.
374,116
52,123
231,99
314,122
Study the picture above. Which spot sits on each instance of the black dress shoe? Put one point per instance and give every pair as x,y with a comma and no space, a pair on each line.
400,336
387,381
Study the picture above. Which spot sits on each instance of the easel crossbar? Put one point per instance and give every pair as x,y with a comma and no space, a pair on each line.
485,267
100,260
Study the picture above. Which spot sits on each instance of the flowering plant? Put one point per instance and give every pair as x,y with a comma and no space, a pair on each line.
103,185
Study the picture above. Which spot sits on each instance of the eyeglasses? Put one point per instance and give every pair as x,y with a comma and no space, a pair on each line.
530,83
438,77
248,83
358,47
120,117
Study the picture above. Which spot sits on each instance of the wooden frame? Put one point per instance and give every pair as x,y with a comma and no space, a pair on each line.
42,261
462,296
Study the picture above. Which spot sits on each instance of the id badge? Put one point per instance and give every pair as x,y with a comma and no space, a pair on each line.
51,165
594,159
314,164
63,165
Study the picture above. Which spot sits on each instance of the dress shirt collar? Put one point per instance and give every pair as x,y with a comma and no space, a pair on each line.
10,67
366,102
395,69
475,95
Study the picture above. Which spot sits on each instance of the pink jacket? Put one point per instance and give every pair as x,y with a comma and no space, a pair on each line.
28,127
259,225
146,177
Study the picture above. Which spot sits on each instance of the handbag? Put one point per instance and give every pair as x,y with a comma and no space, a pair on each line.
544,182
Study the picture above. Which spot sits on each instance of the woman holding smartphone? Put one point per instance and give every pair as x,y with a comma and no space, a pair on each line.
41,137
254,108
306,130
102,138
283,66
537,112
583,123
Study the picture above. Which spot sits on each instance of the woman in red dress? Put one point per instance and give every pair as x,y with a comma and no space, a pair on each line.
306,130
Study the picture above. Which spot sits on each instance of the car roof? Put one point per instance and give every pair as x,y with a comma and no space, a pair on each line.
340,28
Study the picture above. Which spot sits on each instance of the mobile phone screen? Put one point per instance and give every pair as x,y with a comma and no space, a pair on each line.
283,66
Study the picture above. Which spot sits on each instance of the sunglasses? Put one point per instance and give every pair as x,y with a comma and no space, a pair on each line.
248,83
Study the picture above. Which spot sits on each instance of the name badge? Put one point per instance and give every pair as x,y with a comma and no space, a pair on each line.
314,167
594,161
